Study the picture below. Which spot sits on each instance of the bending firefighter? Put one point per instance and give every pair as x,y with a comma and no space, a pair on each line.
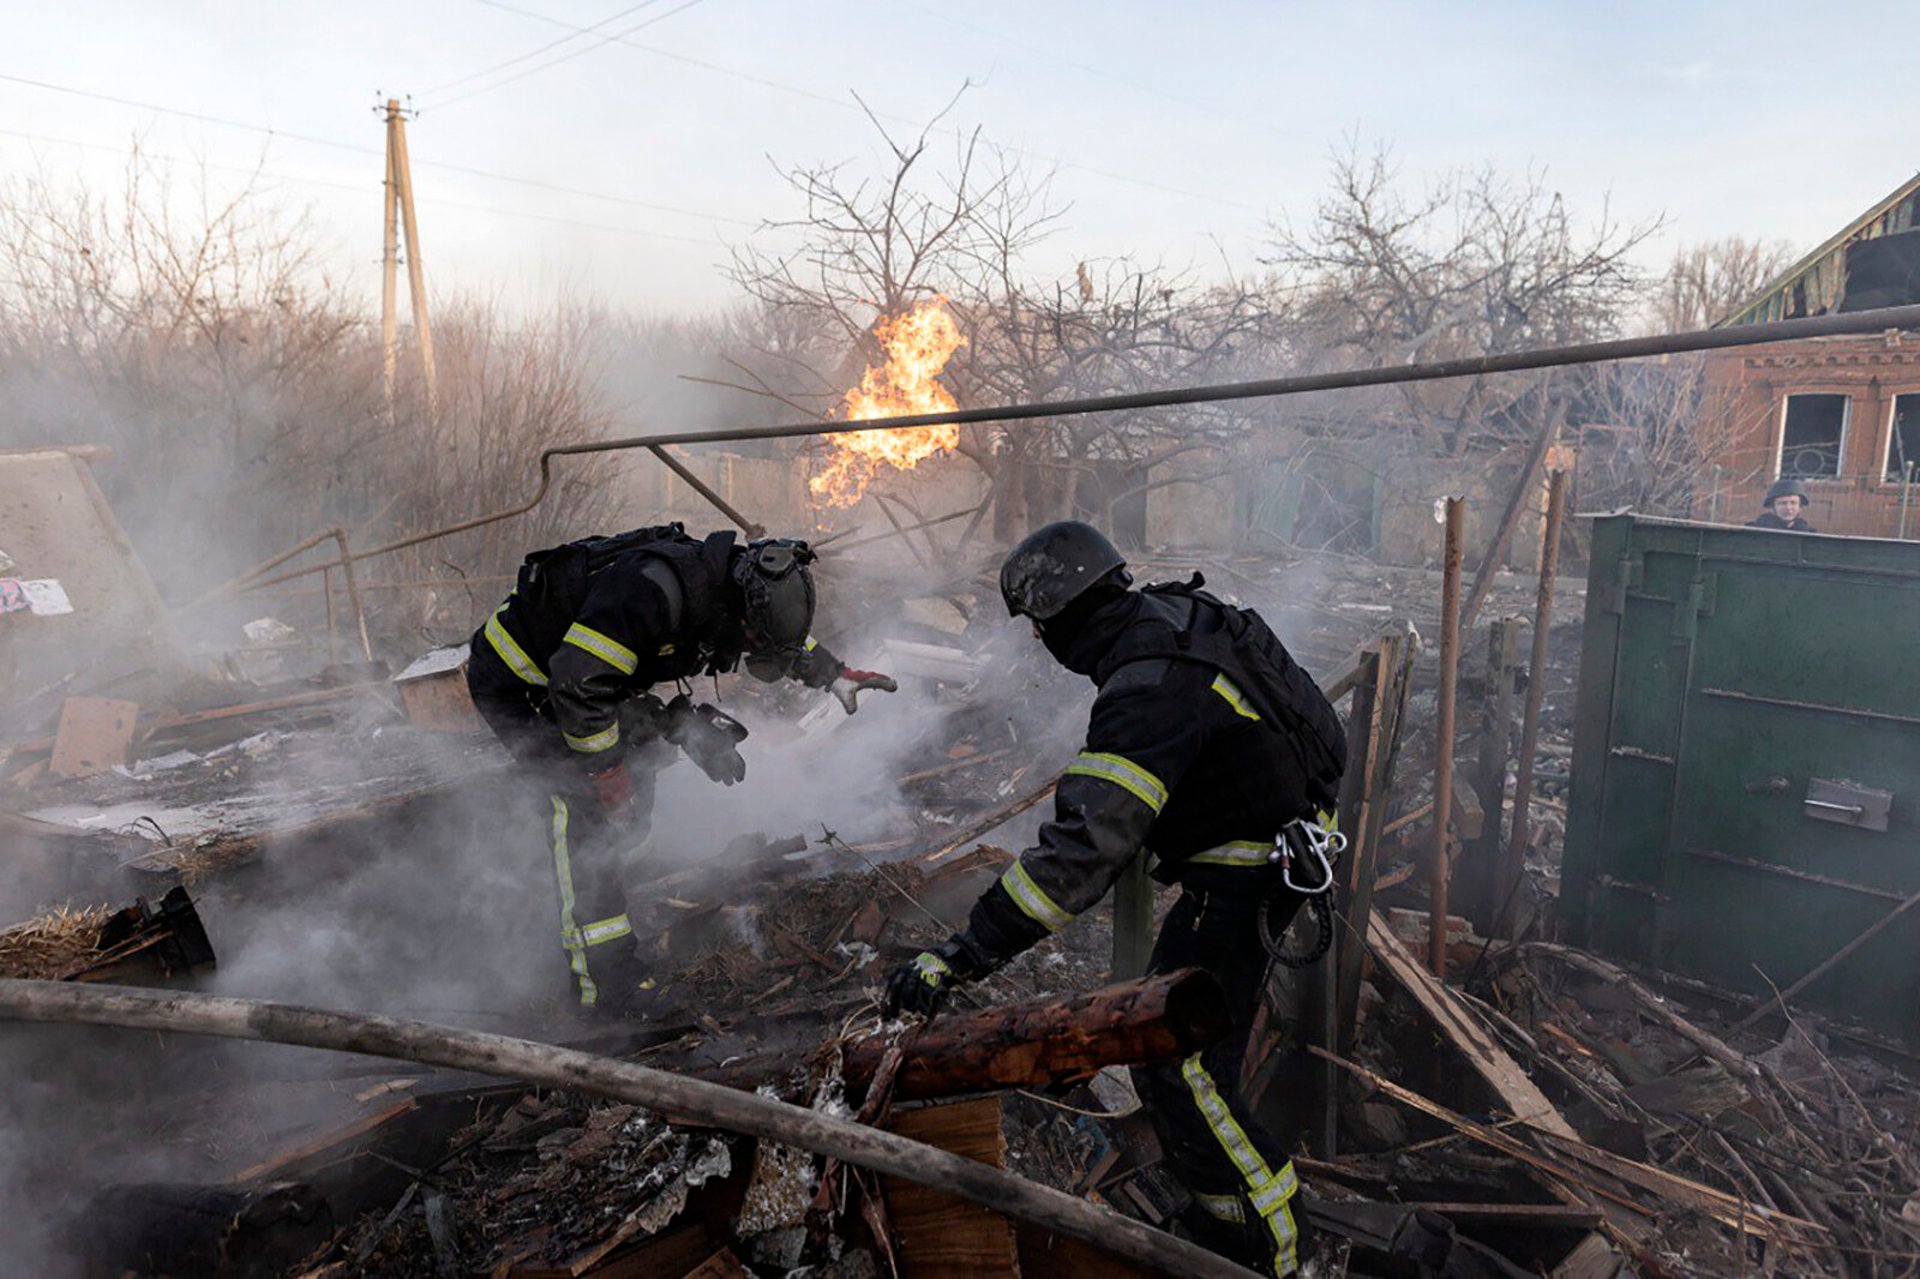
561,673
1206,743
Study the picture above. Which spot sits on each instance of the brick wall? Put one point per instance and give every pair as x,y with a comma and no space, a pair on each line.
1746,390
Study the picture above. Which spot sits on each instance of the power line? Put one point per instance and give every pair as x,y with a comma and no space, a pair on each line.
355,188
1214,200
1101,72
571,54
359,149
551,44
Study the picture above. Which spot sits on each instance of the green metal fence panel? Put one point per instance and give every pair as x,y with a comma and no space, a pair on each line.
1747,759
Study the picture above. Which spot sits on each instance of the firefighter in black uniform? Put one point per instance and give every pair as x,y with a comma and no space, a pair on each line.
1202,751
560,673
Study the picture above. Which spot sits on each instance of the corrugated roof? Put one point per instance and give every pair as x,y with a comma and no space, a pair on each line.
1813,285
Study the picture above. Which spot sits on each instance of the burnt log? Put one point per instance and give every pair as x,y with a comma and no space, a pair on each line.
225,1231
1048,1042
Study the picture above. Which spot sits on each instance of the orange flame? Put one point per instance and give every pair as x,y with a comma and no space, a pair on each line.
918,345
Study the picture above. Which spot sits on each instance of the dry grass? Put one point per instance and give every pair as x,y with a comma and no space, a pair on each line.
55,943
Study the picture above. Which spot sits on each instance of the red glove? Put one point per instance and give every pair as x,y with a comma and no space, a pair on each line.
613,787
849,684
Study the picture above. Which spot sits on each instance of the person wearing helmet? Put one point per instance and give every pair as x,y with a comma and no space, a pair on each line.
1205,742
1785,502
561,671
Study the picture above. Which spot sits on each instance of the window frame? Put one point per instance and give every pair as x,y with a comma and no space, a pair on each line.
1893,422
1840,451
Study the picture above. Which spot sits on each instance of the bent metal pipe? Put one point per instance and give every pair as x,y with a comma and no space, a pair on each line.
1852,323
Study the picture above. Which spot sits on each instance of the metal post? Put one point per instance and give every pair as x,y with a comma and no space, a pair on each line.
899,526
1479,872
1438,868
1713,498
1906,491
353,593
333,635
700,486
1132,920
1516,866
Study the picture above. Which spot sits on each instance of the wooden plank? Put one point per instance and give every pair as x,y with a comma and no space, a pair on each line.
1519,1214
330,1142
1742,1215
95,734
941,1234
1461,1028
1592,1258
1058,1257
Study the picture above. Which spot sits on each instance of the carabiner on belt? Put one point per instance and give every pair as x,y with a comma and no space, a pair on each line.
1307,841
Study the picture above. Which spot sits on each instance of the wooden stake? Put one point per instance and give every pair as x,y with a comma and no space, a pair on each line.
1516,863
1443,737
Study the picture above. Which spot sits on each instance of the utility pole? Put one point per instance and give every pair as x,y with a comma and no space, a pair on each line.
398,209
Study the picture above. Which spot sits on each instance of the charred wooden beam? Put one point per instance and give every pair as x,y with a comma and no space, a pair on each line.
1053,1041
143,944
224,1231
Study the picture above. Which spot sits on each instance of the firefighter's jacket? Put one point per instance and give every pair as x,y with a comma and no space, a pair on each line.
1176,762
594,639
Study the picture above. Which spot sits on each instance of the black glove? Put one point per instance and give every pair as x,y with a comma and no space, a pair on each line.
920,984
709,737
642,719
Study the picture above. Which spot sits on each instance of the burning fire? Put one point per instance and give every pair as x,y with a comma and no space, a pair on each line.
918,345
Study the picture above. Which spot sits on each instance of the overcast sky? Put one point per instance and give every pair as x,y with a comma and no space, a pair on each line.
1180,130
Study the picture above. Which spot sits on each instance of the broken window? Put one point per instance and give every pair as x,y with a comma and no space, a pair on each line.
1810,441
1903,439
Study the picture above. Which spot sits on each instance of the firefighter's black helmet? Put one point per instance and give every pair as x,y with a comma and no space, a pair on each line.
1787,487
1055,566
777,587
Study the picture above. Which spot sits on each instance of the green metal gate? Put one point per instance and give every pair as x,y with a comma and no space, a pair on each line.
1747,759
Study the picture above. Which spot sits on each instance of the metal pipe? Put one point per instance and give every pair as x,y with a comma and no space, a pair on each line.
1906,491
1443,740
1854,322
699,486
1516,864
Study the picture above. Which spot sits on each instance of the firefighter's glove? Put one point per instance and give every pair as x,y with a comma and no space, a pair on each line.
921,984
613,787
709,737
849,684
643,719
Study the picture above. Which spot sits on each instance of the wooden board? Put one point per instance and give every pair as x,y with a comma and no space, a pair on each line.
95,734
1458,1025
939,1233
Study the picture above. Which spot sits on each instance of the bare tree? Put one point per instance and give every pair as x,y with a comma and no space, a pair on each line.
1708,281
873,246
1476,264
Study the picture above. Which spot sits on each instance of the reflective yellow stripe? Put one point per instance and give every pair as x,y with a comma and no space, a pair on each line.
1029,897
810,645
1124,773
1238,852
570,939
606,648
511,653
1235,698
1268,1190
606,739
607,930
931,967
1224,1207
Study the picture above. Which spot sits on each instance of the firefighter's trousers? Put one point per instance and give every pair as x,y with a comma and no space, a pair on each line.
585,843
1240,1177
